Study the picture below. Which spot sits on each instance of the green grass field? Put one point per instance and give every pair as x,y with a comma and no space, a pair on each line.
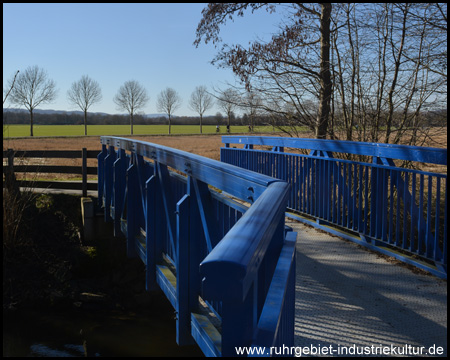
10,131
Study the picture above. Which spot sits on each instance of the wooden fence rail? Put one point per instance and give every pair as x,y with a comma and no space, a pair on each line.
10,169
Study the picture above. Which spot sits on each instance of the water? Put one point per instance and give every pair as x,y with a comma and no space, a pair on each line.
80,333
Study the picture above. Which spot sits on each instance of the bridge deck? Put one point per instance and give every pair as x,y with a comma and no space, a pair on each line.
348,296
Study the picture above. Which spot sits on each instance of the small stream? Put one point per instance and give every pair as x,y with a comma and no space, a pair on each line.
92,333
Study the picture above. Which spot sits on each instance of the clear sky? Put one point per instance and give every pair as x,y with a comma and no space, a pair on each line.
113,43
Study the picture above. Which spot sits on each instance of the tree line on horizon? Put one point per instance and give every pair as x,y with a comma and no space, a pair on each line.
12,117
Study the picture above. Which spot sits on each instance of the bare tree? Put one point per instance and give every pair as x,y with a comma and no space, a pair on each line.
84,93
228,100
389,71
293,66
219,119
168,101
365,71
252,103
200,102
131,97
31,89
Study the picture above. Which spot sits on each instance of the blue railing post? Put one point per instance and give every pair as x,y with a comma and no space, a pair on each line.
101,173
183,299
132,207
168,206
239,320
108,181
120,168
280,299
197,245
151,239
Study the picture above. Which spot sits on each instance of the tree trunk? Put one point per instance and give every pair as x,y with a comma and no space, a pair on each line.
85,122
31,122
325,74
131,123
394,81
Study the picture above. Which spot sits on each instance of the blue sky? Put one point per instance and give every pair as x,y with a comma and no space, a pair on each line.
113,43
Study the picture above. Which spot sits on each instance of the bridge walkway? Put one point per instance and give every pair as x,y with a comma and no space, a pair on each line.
346,295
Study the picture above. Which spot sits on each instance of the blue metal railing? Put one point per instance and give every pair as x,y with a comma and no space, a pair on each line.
227,269
400,212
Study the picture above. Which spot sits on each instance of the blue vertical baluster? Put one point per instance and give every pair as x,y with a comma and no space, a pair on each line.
438,215
391,207
120,168
132,205
238,322
421,230
101,173
182,264
429,241
153,251
406,200
412,242
108,166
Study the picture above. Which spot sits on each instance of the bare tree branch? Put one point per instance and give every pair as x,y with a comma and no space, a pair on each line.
131,97
168,102
33,88
200,102
84,93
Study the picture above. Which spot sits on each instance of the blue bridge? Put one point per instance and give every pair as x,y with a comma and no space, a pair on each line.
213,235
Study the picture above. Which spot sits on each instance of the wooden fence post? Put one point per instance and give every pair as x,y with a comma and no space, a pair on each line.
10,178
84,171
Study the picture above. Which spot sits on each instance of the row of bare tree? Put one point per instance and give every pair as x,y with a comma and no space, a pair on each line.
33,87
345,70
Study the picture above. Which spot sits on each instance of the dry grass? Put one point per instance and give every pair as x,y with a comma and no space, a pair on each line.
204,145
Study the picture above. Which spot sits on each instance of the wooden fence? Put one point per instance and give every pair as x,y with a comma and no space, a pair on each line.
26,167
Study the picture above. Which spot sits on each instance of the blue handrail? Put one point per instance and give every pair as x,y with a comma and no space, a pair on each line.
400,212
203,248
392,151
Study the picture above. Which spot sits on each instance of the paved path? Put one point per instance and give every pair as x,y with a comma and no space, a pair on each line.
349,296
